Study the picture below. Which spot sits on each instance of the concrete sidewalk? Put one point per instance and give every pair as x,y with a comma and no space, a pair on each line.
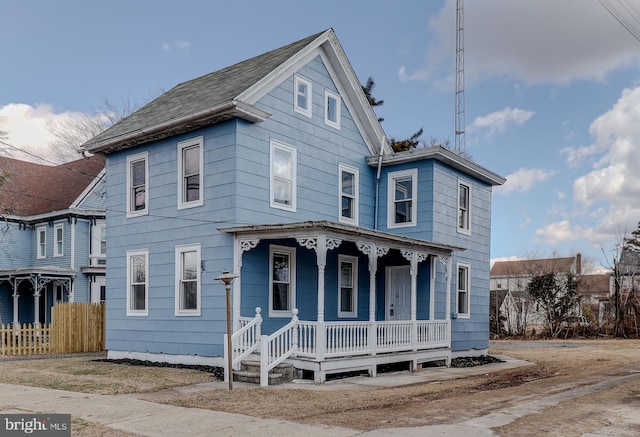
145,418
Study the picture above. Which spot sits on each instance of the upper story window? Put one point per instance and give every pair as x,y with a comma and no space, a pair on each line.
331,109
58,240
464,204
348,194
282,280
402,199
190,173
42,242
99,243
137,184
283,176
188,280
137,281
302,96
463,291
347,286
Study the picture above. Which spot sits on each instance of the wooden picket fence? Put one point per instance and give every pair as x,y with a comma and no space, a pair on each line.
75,327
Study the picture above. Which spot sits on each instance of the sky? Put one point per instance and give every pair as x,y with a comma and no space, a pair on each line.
552,88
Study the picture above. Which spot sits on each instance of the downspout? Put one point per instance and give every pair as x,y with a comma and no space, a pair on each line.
375,206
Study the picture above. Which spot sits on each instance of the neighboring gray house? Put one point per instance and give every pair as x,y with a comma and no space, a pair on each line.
52,237
277,169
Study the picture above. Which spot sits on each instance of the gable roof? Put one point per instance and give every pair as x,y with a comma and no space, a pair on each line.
232,92
32,189
532,266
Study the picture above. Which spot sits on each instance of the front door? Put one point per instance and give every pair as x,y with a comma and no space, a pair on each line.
398,293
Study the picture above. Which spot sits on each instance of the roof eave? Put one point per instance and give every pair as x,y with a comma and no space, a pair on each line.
222,112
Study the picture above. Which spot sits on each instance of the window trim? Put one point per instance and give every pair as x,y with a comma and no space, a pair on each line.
41,243
130,160
467,267
182,145
130,255
180,250
354,263
461,229
391,198
291,150
56,243
356,194
331,95
307,111
291,252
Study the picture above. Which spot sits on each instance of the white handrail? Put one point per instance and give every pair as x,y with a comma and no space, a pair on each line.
277,347
246,340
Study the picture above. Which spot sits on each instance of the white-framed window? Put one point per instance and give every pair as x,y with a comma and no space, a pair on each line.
138,282
137,184
41,233
332,109
282,281
190,174
464,207
99,243
302,95
349,194
347,286
463,303
188,288
58,240
283,176
402,197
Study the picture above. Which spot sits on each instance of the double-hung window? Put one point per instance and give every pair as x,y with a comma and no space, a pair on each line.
463,290
138,283
190,173
302,95
464,204
42,242
348,194
402,199
188,280
331,109
282,280
137,184
58,240
347,286
283,176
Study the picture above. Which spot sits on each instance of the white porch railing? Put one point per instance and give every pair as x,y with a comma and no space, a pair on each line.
341,339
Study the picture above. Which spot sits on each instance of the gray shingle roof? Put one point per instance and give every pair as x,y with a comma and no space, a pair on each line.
197,96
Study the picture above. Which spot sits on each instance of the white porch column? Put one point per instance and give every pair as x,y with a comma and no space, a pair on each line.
373,252
447,261
36,308
432,288
15,296
240,246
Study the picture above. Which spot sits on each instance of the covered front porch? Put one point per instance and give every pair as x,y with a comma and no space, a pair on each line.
363,298
28,294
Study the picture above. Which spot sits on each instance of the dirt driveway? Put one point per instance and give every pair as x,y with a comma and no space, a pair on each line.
574,388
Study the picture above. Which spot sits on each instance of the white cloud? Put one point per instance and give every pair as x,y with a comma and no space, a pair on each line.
562,231
523,180
28,129
499,121
542,41
176,45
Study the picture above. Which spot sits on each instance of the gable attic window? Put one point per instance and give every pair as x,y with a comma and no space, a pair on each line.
137,184
331,109
302,95
190,173
402,198
283,176
42,242
348,194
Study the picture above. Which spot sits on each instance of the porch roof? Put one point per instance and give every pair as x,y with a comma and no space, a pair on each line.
50,271
299,229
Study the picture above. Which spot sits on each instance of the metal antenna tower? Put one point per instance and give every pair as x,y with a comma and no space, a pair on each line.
459,142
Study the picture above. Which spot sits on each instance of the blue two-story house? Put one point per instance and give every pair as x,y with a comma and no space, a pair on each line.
52,237
346,254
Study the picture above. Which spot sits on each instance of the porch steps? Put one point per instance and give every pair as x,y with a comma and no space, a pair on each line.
250,372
